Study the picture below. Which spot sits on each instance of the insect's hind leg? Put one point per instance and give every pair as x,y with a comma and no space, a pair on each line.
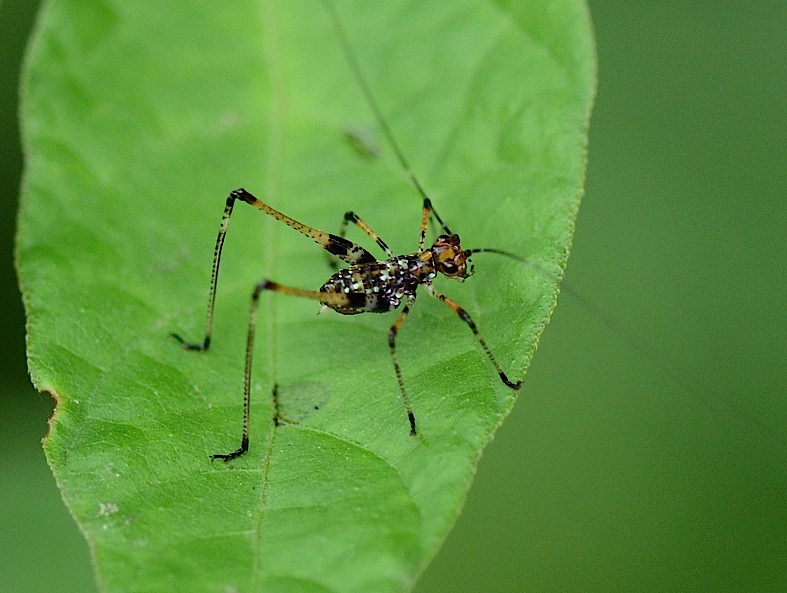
330,299
336,245
214,278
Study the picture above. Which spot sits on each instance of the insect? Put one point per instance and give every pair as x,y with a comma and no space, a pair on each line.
368,284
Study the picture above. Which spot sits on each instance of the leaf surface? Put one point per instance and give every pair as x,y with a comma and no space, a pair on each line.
137,121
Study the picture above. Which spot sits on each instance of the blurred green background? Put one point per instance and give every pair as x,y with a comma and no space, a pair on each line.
650,458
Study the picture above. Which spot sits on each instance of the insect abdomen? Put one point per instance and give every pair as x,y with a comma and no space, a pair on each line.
376,287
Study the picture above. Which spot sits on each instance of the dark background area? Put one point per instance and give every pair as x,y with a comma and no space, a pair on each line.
647,455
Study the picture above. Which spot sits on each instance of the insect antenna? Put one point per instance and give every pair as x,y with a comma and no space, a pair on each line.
469,252
498,251
669,368
659,361
378,114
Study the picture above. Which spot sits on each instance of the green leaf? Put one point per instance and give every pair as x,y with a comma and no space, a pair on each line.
138,119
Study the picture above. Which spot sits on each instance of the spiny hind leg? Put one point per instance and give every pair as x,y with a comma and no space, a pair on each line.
326,298
214,278
333,244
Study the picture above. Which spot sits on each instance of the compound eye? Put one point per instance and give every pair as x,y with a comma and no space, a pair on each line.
448,268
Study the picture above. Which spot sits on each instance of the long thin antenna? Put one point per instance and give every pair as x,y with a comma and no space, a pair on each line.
659,361
499,251
367,91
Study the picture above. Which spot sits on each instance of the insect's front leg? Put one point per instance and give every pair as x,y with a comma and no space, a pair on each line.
464,316
430,214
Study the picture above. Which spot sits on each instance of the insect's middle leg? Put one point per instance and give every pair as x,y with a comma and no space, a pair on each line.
355,219
392,344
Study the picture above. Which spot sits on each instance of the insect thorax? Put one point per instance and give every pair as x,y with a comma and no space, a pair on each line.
379,287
